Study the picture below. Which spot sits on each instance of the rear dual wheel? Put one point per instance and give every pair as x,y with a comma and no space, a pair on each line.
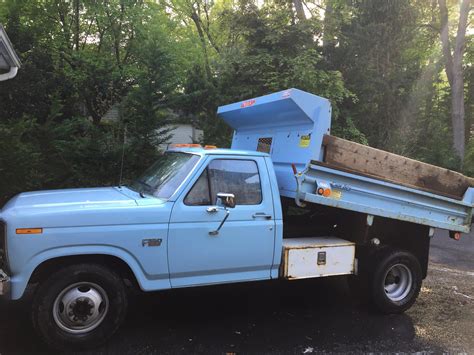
393,281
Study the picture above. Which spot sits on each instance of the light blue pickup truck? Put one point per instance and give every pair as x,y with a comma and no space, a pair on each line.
276,205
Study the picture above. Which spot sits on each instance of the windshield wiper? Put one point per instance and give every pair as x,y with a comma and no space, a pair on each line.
144,184
147,186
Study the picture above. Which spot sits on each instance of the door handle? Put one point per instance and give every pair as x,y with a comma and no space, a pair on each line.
212,209
261,215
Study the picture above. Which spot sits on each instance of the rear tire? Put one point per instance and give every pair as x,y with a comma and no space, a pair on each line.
79,307
396,281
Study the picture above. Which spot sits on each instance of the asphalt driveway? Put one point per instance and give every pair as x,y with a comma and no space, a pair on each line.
287,317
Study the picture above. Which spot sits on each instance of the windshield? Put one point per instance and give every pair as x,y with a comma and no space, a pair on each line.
166,174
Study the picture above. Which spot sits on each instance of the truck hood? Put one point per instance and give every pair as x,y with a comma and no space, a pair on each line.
79,198
83,207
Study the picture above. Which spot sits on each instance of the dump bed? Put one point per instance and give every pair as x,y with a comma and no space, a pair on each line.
294,128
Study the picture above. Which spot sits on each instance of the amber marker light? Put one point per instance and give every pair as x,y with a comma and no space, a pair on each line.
186,145
29,230
326,192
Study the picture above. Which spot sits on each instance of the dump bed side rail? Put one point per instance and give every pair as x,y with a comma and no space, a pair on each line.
363,160
380,198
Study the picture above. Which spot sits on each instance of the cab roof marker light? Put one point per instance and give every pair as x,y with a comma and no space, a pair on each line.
186,145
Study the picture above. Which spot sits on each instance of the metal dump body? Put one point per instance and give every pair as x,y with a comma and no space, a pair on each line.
381,198
290,125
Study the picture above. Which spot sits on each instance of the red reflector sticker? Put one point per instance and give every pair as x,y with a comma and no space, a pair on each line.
247,103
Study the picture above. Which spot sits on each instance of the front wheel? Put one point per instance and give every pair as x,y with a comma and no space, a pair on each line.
79,307
396,281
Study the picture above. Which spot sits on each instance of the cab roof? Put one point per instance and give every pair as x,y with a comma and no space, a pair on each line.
218,151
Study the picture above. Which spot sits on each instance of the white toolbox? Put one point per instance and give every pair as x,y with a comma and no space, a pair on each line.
317,257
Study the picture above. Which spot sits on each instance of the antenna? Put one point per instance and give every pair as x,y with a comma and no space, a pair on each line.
123,154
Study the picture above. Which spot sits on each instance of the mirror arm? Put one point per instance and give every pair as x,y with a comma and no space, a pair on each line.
216,232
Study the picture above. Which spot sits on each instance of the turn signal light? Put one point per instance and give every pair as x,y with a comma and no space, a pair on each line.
324,192
29,230
210,147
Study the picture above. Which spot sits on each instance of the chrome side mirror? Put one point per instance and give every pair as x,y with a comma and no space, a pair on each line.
226,200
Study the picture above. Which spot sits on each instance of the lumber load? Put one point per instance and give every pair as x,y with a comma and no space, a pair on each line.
356,158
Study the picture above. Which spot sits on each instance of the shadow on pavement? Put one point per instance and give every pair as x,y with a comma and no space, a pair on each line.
267,317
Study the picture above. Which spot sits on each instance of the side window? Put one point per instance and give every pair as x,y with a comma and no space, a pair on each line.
239,177
199,195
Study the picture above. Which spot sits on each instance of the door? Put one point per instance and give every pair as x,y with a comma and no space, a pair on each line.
243,248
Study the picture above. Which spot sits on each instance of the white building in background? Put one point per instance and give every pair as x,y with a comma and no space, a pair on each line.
9,61
178,132
182,133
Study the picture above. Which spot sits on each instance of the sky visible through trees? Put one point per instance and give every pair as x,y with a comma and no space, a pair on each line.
399,75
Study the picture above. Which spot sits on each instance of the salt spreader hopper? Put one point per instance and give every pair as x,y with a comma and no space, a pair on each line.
289,125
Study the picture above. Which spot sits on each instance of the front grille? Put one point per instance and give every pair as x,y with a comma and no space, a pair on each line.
3,253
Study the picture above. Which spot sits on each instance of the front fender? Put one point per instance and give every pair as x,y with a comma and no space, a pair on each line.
20,280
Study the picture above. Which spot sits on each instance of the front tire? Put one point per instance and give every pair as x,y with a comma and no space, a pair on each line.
80,306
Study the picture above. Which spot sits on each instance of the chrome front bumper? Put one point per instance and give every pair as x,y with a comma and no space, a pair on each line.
4,284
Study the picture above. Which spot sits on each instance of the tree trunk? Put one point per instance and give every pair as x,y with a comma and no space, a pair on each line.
197,23
454,71
328,26
77,25
299,9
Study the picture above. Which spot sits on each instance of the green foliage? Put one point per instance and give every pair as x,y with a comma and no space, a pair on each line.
386,48
469,69
73,73
18,158
379,63
263,51
469,160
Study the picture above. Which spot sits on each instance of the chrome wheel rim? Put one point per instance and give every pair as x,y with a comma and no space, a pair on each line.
398,282
80,307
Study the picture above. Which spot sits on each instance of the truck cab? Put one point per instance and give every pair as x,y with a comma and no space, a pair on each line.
179,240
